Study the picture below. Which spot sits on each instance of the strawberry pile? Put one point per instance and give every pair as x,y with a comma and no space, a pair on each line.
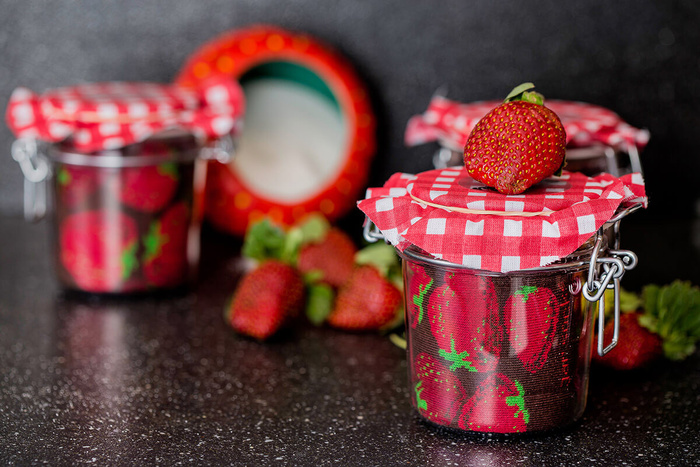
316,269
664,322
516,145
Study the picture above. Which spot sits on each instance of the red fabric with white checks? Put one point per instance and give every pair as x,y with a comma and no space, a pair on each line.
112,115
451,122
427,210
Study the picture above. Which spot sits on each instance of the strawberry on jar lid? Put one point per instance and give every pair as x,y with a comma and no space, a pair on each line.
99,116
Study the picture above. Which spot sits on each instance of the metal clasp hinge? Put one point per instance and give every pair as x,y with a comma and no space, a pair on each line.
614,268
36,170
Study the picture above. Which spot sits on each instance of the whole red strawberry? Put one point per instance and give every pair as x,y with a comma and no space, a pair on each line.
438,393
149,188
637,346
333,256
463,316
165,262
517,144
367,301
265,299
98,249
664,321
419,285
498,406
532,314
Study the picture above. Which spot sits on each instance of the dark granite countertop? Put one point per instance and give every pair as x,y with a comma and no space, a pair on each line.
162,380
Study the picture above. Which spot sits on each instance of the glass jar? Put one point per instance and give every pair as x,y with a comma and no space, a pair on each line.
125,220
507,352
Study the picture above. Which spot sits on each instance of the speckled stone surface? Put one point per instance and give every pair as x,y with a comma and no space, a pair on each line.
161,380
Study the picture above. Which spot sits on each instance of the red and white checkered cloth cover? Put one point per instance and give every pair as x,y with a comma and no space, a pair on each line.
451,122
112,115
548,222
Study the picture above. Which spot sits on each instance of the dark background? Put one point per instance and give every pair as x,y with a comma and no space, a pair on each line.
639,58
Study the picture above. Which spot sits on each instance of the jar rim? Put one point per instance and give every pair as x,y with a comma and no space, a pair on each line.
576,260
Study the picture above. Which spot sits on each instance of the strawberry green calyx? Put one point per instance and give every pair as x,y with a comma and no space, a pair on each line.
153,241
267,240
64,177
457,359
264,240
519,401
383,257
524,93
525,292
169,169
129,261
419,298
420,403
319,302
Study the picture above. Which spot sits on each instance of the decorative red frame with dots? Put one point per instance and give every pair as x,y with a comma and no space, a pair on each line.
230,204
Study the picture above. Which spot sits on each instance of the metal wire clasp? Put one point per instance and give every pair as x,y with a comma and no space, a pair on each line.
613,268
370,231
222,150
36,170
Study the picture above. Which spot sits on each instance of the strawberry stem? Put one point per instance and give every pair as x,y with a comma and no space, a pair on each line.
523,92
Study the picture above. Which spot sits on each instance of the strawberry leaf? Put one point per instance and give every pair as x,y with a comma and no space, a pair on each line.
517,92
380,255
312,230
673,312
319,303
264,240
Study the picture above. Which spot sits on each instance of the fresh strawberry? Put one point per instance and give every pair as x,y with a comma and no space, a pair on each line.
149,188
636,348
98,249
531,315
333,257
165,258
419,285
463,316
666,324
498,406
367,301
517,144
265,299
438,393
75,184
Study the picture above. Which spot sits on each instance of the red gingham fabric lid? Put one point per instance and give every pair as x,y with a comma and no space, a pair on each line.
112,115
455,218
451,122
